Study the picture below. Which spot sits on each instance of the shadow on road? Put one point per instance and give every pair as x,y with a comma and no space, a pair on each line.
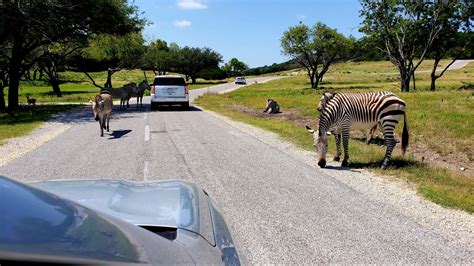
116,134
83,114
174,108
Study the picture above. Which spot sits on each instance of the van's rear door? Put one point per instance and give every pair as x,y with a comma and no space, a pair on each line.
170,87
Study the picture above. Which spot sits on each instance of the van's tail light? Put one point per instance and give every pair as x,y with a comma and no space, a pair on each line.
186,90
152,89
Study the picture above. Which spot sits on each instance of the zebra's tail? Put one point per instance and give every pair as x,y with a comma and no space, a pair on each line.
405,135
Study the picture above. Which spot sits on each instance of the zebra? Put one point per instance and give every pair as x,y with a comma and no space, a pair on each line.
345,111
323,101
102,109
141,91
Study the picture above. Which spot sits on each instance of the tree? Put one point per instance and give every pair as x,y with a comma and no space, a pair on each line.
315,48
406,29
235,67
454,17
191,61
157,57
3,79
116,51
54,57
41,23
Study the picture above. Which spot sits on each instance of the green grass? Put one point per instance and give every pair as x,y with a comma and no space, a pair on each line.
77,87
25,121
440,120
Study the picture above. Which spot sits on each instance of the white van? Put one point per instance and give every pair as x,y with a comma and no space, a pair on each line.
169,90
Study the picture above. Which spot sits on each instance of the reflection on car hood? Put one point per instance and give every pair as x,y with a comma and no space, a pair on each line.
170,203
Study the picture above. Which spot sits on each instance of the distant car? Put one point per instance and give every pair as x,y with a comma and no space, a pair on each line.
169,90
110,221
240,80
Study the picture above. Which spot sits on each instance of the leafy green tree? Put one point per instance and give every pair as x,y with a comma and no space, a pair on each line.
316,48
53,58
41,23
405,30
157,57
190,61
118,52
235,67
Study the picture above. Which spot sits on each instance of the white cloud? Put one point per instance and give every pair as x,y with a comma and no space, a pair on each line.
302,17
191,4
182,23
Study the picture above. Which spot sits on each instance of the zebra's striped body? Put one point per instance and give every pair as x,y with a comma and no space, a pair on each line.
350,111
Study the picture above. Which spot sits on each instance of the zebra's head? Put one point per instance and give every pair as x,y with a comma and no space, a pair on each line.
320,144
98,106
325,98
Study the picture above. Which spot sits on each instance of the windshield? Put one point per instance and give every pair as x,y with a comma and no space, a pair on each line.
169,81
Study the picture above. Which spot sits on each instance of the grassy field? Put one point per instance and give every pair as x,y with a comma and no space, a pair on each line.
77,87
440,122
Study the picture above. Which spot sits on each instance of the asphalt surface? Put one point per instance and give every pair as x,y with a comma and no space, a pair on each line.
281,207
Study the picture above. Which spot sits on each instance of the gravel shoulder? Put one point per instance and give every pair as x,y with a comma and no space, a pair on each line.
454,225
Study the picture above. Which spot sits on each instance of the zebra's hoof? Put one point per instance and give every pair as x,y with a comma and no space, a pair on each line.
322,163
383,167
344,163
337,159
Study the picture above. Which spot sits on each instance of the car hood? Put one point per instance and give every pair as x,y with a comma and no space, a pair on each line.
170,203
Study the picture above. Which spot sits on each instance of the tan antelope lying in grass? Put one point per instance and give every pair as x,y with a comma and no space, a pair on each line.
102,108
272,107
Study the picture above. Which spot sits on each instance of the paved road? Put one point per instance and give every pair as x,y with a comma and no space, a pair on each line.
280,206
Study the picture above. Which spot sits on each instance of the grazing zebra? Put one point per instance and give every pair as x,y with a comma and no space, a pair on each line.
346,111
325,98
102,109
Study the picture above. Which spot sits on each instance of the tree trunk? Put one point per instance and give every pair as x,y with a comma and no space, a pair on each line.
34,73
2,98
405,77
413,76
110,72
14,74
316,81
193,79
108,83
55,85
433,74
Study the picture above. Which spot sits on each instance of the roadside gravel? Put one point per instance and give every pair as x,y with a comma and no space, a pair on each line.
456,226
17,147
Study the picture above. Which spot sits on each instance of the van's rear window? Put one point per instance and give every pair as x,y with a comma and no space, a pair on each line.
169,81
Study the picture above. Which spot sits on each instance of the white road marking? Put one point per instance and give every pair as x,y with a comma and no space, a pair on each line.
147,133
146,116
146,170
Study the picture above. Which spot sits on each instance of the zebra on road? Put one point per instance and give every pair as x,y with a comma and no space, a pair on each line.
342,112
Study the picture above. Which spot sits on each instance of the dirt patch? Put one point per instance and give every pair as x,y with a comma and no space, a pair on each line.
457,162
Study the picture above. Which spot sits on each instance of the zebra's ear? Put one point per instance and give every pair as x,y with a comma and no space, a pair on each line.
310,130
329,95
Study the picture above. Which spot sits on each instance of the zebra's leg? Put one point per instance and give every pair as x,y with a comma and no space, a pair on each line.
101,128
388,131
108,120
337,137
345,143
370,136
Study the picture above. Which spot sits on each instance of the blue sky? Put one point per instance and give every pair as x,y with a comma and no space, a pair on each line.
249,30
